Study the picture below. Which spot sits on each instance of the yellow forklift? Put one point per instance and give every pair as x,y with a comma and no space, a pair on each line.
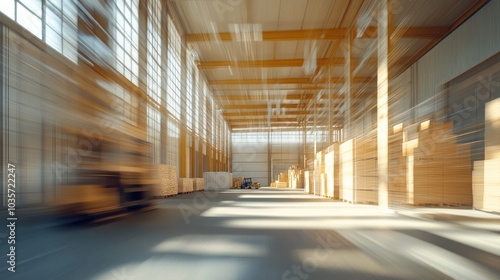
247,183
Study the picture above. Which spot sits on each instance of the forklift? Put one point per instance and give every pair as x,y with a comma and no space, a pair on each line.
248,184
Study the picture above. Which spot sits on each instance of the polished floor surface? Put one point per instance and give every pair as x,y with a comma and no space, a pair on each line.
261,234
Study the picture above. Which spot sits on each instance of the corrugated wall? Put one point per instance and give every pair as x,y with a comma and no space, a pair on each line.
473,42
250,160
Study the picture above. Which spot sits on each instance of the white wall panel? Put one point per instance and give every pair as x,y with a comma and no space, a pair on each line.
250,148
239,158
473,42
249,167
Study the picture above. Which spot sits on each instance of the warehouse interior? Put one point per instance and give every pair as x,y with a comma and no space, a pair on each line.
130,129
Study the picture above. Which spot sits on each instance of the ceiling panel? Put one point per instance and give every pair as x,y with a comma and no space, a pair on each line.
317,12
264,12
292,14
285,50
209,16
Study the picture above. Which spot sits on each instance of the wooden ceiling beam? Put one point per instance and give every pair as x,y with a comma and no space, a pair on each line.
293,126
288,112
261,81
264,117
281,35
306,81
264,97
270,97
318,34
261,106
266,87
273,118
267,63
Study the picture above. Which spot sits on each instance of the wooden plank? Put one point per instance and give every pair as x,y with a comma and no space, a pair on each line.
315,34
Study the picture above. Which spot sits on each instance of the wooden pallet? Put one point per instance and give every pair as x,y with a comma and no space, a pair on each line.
184,192
164,196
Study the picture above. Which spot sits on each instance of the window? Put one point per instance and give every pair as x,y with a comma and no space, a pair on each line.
154,50
196,101
203,110
126,43
189,90
174,70
154,125
173,142
59,29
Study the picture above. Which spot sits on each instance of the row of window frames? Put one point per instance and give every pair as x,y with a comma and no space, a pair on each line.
55,17
9,7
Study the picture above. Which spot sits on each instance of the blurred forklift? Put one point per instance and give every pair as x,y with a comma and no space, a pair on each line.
245,183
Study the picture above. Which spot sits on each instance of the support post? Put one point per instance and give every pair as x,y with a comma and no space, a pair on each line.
382,103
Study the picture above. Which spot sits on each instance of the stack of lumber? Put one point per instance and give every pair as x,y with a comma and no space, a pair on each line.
282,181
365,169
167,181
346,163
397,167
441,167
332,171
319,169
237,181
486,173
278,184
198,184
283,177
307,187
295,177
358,168
185,185
478,185
323,184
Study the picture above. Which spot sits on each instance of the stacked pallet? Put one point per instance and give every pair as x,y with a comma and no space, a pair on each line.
237,181
486,173
198,184
397,167
185,185
332,171
441,167
295,177
282,181
346,164
167,181
365,170
478,185
322,184
319,170
283,177
307,187
492,130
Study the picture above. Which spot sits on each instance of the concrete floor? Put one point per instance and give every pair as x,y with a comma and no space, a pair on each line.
262,234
